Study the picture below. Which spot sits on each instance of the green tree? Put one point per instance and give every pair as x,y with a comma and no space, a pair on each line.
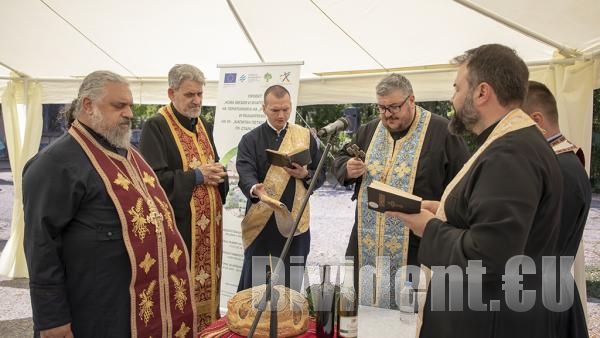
141,112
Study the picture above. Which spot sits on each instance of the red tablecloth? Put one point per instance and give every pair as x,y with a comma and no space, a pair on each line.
220,329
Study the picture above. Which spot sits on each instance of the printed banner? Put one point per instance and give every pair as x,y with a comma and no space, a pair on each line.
239,110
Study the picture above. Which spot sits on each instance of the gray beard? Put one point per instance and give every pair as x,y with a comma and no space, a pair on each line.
113,134
119,138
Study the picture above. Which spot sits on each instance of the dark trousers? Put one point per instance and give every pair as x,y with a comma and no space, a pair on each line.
270,243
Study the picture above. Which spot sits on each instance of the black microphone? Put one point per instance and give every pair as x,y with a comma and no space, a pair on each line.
334,127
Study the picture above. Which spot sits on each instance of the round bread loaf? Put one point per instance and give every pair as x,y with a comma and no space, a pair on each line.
292,314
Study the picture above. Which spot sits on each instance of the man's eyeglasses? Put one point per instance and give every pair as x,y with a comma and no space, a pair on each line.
392,108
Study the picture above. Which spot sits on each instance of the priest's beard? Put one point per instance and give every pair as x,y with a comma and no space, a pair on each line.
464,118
115,134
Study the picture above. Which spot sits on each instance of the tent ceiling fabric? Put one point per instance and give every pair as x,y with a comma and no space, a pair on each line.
573,23
65,39
140,38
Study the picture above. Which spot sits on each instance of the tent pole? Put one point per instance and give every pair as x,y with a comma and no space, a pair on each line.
243,27
13,70
65,80
564,50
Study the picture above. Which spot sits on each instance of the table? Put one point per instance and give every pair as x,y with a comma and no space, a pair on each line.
373,322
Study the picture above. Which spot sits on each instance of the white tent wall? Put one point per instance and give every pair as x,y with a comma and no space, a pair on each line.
21,148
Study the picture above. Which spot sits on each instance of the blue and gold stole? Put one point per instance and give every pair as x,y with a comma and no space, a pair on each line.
382,239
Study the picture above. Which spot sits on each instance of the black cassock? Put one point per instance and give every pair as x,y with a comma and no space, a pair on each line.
79,268
159,149
252,166
577,197
442,156
507,204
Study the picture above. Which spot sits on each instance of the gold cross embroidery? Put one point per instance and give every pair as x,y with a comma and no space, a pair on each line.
194,163
375,167
368,241
175,253
154,217
183,331
402,169
202,276
203,222
122,181
166,213
147,263
393,245
148,179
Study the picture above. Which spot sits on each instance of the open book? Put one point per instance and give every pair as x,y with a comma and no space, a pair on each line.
383,197
280,159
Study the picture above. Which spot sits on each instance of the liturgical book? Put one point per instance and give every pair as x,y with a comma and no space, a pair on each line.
383,197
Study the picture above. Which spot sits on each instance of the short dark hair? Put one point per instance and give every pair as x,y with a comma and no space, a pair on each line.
501,68
540,99
277,90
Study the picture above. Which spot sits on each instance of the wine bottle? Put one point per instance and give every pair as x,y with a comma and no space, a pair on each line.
326,306
348,304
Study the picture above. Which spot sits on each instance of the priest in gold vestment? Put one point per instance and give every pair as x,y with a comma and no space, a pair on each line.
261,236
178,143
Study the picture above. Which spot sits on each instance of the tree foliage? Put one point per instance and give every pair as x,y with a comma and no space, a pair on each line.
318,116
141,112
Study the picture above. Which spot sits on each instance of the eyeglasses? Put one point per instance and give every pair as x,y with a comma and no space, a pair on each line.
392,108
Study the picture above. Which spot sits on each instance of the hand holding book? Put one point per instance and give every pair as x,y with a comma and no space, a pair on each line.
397,203
415,222
383,197
301,156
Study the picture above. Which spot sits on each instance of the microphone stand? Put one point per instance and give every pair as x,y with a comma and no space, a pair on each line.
313,132
269,291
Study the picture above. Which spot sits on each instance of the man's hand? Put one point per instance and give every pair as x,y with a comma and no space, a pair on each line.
258,190
214,173
416,222
431,206
58,332
355,167
298,171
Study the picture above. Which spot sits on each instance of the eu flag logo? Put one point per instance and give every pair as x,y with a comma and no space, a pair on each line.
230,77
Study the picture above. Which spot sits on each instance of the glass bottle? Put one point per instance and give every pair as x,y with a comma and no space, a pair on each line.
326,307
348,304
407,303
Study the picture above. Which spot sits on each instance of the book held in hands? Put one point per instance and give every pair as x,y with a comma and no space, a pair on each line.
383,197
300,156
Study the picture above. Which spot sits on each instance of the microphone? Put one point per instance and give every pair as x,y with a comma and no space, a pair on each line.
334,127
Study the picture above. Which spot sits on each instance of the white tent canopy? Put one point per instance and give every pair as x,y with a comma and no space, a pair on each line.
60,41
